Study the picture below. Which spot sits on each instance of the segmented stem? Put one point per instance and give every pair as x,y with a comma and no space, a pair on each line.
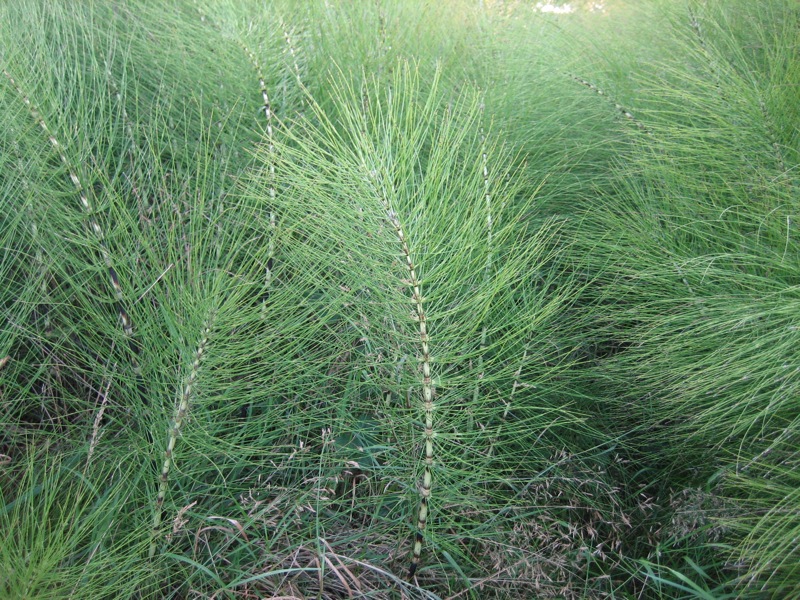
487,196
267,109
695,24
487,268
621,109
770,130
39,260
134,154
289,45
180,415
427,386
712,62
86,205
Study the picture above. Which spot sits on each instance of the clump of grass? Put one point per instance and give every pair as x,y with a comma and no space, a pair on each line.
766,522
696,281
69,525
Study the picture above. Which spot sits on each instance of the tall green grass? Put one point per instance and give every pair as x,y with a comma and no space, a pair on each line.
696,297
391,299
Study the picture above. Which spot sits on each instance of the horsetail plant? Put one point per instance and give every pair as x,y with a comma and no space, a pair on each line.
619,108
38,256
135,158
428,388
290,46
181,411
390,195
487,195
266,108
456,329
713,62
295,65
88,208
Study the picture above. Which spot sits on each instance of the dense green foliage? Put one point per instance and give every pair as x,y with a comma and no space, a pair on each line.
298,297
